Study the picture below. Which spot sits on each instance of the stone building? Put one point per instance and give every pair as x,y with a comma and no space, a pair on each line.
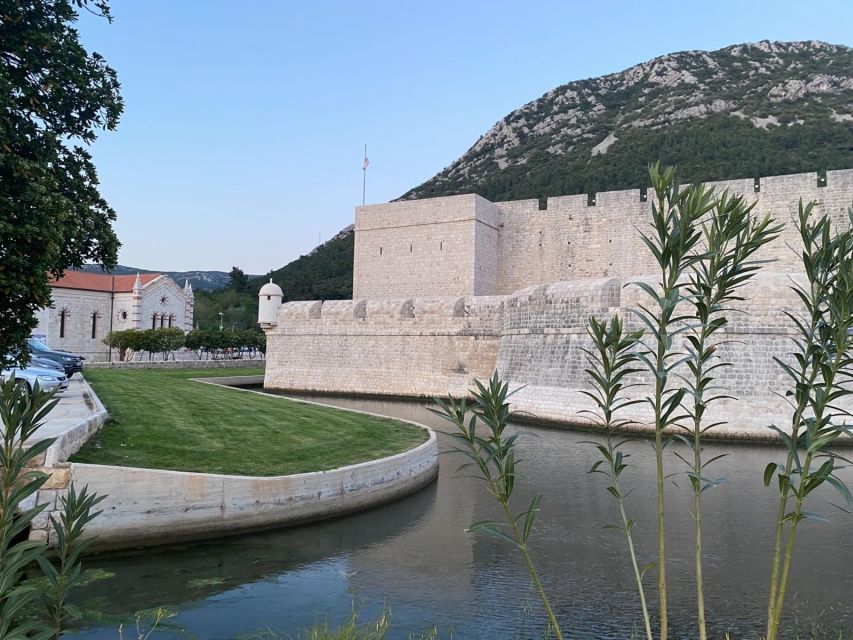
87,306
448,290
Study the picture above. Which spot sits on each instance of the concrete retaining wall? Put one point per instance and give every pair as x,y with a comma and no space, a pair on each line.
72,422
179,364
148,506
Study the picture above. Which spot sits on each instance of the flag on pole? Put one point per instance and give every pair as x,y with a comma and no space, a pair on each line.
364,176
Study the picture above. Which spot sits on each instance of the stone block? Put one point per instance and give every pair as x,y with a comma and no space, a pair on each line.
59,478
38,535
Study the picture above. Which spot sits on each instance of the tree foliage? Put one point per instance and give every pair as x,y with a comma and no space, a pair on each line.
204,343
238,281
54,97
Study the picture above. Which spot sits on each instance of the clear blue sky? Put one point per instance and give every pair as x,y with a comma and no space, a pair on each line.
245,121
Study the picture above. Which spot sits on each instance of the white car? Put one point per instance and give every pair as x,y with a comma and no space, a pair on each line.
46,379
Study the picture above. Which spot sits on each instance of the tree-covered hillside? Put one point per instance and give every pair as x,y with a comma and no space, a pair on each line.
323,274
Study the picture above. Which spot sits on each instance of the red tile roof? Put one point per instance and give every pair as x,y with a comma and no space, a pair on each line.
100,281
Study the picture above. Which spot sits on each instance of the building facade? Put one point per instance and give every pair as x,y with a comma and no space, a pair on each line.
87,306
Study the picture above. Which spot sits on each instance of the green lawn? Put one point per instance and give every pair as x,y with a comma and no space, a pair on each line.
162,419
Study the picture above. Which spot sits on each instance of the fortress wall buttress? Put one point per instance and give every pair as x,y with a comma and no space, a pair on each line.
420,347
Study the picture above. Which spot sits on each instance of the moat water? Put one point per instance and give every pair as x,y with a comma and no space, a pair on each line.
414,557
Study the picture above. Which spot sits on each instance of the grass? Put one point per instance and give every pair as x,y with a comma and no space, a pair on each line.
162,419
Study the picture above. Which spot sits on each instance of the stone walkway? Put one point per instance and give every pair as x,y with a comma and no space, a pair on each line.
78,415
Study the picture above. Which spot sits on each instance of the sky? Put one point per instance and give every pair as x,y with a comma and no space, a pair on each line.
245,122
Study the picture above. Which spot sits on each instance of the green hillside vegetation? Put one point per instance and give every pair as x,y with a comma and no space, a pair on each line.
717,148
324,274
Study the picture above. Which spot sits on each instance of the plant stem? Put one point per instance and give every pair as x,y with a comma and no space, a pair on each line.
531,568
697,490
637,575
661,505
819,406
780,525
773,627
783,499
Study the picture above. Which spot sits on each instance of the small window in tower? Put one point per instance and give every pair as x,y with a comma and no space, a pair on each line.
269,298
380,251
62,315
94,324
441,246
124,315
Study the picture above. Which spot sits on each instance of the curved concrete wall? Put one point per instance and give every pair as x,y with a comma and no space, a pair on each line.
149,506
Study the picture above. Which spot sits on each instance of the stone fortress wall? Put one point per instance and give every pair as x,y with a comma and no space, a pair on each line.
518,285
466,245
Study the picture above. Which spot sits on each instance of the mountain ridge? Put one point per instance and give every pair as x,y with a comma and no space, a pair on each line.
201,280
754,109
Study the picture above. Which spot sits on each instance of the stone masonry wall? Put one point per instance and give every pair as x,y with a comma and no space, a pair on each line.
542,351
407,347
536,339
466,245
447,245
534,333
79,308
573,239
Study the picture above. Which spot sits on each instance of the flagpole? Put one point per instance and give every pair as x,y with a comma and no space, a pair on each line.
364,177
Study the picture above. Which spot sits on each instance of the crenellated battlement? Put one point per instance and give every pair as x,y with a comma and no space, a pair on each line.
467,245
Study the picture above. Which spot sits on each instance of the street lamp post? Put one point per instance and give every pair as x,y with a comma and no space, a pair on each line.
220,320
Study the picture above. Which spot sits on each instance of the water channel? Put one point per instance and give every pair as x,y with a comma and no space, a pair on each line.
415,558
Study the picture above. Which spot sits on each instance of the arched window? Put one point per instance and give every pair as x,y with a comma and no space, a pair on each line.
62,315
124,315
94,324
154,321
171,317
162,320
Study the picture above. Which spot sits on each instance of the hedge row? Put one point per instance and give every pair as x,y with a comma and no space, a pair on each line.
205,344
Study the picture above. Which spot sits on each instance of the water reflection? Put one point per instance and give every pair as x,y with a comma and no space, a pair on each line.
415,557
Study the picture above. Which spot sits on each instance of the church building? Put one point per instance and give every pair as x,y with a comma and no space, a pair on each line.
87,306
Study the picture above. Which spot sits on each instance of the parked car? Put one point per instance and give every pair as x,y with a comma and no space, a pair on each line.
44,363
46,379
70,362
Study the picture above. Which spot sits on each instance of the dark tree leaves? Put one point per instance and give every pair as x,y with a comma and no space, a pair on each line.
54,97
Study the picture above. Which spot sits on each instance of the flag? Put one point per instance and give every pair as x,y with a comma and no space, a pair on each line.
366,162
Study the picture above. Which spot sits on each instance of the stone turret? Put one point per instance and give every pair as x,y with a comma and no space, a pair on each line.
269,300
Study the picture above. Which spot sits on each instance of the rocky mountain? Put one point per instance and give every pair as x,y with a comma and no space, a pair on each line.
200,280
747,110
